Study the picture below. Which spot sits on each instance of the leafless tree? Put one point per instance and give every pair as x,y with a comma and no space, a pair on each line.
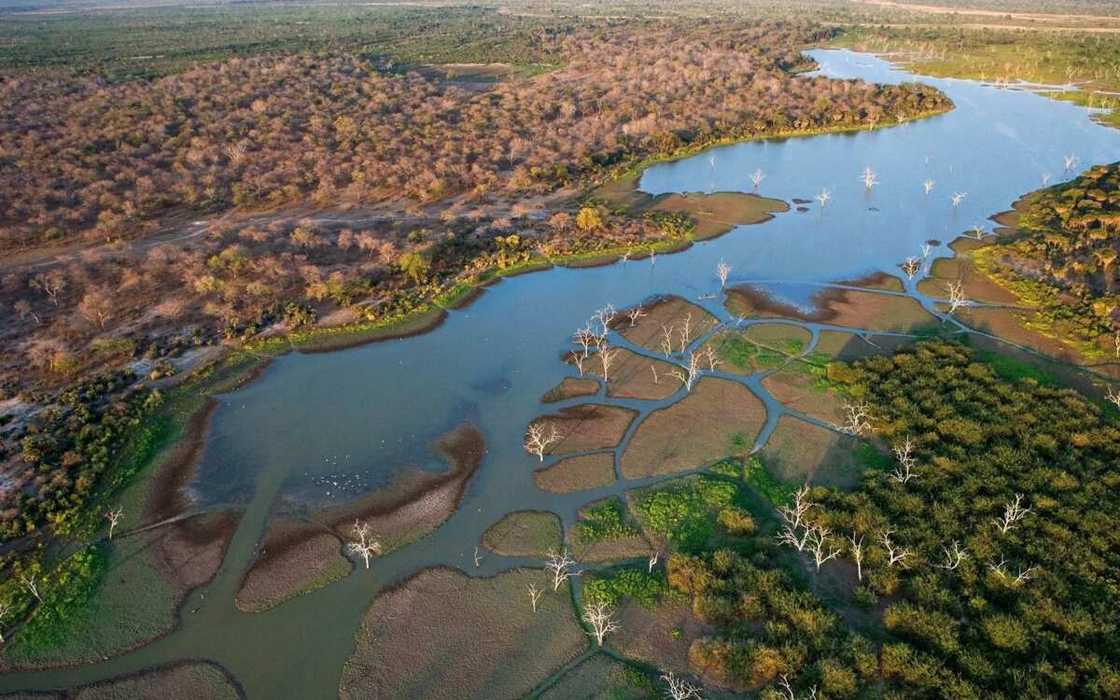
926,250
5,608
477,558
534,595
114,517
1000,569
1113,396
634,314
911,266
23,308
857,418
958,197
607,356
1046,179
927,186
787,689
653,560
823,197
870,179
710,354
954,555
656,379
757,177
600,617
52,283
364,546
666,340
1071,161
722,271
819,544
537,440
31,585
585,338
957,298
561,566
679,688
856,547
795,528
977,232
605,316
895,554
686,331
689,374
1013,512
578,360
1115,343
904,453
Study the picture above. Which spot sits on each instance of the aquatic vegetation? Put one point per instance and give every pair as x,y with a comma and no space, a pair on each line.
606,521
643,587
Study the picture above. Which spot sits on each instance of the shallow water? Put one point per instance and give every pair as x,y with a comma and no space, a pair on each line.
324,428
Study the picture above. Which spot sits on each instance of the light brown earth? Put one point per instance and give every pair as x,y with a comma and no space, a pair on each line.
799,452
976,285
431,627
671,312
295,557
524,534
611,550
695,431
587,427
577,473
571,388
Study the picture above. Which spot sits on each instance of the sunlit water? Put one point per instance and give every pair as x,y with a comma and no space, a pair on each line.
324,428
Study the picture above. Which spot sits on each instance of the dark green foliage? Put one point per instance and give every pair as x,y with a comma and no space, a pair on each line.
67,593
685,511
979,441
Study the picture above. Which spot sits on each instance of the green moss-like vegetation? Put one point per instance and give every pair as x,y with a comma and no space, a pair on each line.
606,521
638,584
685,512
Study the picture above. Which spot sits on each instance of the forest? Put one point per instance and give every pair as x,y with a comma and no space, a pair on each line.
1061,257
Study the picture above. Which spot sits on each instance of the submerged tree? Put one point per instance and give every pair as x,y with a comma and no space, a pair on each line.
600,617
537,439
364,546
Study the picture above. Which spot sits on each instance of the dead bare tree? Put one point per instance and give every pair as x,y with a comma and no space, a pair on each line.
5,608
579,359
689,374
537,440
1013,512
534,595
926,250
364,546
787,689
722,272
1000,569
1071,161
823,197
653,561
114,517
656,379
561,566
904,472
954,555
895,554
819,545
1113,397
584,337
757,177
911,266
31,585
634,314
477,558
607,356
856,547
870,179
958,197
710,354
686,331
600,617
605,316
795,528
857,418
667,340
679,688
927,186
957,298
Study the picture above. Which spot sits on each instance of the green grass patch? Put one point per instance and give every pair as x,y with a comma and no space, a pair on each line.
606,521
763,482
683,512
640,585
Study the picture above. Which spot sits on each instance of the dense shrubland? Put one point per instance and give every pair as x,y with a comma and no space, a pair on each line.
1063,258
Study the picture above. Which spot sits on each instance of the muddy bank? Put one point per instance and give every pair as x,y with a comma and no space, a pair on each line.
843,307
300,555
348,337
165,498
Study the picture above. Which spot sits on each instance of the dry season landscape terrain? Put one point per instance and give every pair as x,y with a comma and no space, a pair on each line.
535,349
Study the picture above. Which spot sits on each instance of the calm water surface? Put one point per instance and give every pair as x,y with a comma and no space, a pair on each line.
324,428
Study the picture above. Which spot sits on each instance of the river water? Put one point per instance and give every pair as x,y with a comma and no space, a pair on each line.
325,428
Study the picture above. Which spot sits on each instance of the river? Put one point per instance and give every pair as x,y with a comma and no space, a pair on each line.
325,428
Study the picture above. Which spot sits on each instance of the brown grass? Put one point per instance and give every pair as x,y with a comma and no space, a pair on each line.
183,681
647,635
665,311
577,473
570,388
798,452
842,307
295,557
587,427
694,431
977,286
525,533
796,391
632,378
450,636
599,677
